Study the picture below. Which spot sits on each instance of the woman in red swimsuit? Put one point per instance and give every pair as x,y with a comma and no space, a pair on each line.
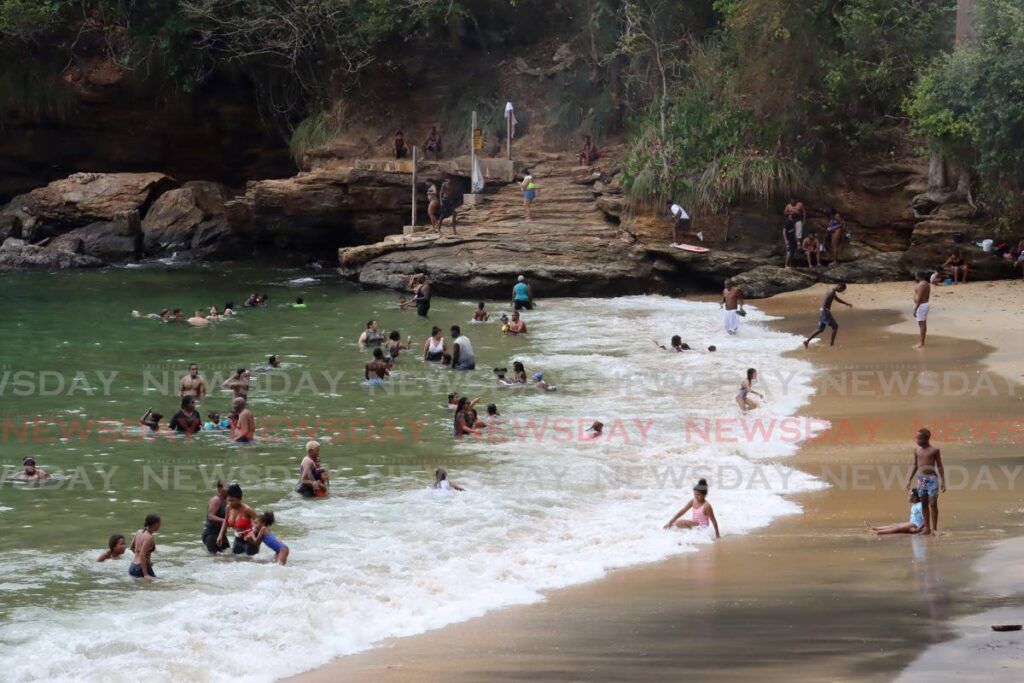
239,517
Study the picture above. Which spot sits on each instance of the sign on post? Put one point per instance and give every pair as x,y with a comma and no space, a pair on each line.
478,139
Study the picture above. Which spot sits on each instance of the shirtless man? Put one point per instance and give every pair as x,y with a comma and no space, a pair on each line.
371,336
399,147
825,317
732,300
516,326
199,319
239,383
244,428
796,212
193,383
922,295
143,545
931,478
216,510
812,248
30,473
376,369
447,205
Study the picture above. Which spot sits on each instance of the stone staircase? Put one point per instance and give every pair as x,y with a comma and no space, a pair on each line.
570,247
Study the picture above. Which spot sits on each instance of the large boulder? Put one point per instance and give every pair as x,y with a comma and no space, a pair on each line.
85,198
106,240
16,254
190,217
765,281
887,267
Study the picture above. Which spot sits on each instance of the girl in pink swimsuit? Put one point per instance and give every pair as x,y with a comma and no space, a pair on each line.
703,515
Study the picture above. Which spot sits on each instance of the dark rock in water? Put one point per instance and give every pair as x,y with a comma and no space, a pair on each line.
16,254
765,281
107,240
878,268
190,217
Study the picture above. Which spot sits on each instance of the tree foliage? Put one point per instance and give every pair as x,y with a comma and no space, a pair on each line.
970,104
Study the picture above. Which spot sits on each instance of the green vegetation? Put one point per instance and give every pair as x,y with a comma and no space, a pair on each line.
765,103
970,104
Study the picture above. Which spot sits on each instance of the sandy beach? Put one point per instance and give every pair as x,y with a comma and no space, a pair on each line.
814,596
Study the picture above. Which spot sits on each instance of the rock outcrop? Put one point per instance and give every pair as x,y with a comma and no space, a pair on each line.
82,199
191,217
765,281
16,254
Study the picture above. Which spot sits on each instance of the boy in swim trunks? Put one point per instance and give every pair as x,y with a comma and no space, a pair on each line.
825,318
922,295
931,479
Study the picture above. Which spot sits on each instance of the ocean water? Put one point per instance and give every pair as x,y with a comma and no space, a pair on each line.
384,555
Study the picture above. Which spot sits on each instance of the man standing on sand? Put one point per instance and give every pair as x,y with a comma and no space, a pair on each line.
244,428
192,384
922,295
732,299
796,212
825,317
931,478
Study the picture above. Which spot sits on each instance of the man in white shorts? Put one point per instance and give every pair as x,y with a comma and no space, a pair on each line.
732,300
922,295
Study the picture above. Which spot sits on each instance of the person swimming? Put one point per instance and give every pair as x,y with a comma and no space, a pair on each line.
260,535
539,383
151,420
299,303
595,431
215,422
442,483
703,514
116,546
31,473
273,363
480,315
676,344
394,344
518,373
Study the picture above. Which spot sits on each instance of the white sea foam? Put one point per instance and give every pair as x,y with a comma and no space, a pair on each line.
541,511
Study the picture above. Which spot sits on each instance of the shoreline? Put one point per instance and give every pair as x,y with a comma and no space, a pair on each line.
637,618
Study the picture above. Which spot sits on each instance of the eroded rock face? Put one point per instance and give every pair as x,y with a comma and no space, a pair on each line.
84,198
190,217
886,267
323,209
106,240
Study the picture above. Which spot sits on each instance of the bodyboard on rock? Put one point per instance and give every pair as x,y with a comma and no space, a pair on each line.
690,247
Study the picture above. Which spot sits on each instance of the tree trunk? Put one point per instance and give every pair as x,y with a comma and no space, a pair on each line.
964,21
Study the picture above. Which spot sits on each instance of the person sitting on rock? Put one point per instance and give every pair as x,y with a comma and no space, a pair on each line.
812,249
589,153
433,143
399,148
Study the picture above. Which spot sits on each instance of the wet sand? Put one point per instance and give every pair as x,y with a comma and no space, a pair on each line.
813,597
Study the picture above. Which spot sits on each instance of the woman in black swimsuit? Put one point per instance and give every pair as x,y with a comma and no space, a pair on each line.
957,265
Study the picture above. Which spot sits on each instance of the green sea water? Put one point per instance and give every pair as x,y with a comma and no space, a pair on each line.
78,371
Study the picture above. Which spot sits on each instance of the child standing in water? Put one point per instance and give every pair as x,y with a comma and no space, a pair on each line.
742,397
702,512
261,534
914,526
480,315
